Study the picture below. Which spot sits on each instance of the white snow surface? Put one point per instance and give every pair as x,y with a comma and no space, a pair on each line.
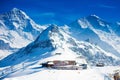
61,75
95,73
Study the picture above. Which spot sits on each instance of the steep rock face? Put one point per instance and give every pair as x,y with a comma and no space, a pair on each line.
55,40
97,31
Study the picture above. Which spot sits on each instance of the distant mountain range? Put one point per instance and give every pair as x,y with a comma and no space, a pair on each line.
90,37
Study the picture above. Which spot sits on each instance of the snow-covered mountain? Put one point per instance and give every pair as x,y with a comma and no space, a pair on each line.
55,40
97,31
91,38
59,43
17,30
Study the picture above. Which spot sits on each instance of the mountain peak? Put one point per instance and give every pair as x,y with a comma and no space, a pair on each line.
51,29
18,12
15,9
83,22
118,23
13,15
17,19
95,16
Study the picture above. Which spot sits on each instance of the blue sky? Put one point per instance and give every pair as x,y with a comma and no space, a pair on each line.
64,11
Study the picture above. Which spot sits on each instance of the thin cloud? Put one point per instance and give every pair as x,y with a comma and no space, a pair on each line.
107,6
51,14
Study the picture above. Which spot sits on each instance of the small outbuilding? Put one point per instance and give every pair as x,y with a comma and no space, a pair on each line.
117,76
100,64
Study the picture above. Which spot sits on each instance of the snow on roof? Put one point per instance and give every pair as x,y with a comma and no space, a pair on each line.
50,62
64,57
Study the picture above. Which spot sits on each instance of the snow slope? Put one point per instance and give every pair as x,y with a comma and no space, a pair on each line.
61,75
96,73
